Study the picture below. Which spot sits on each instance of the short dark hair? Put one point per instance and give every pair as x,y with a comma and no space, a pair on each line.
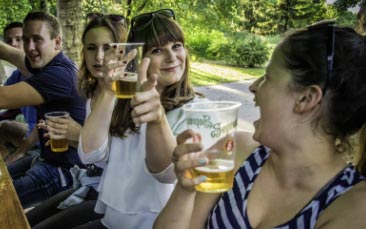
11,25
53,24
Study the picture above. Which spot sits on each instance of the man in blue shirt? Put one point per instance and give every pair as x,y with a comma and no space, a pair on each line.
18,134
52,87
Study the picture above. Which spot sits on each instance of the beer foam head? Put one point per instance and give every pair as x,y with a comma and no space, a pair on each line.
130,76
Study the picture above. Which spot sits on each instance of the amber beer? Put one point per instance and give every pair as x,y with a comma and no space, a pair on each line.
214,124
220,176
126,87
58,145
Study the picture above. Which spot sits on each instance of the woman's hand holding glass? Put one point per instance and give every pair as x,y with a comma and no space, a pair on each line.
115,61
185,159
146,103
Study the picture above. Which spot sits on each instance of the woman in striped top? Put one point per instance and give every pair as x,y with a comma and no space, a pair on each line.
312,99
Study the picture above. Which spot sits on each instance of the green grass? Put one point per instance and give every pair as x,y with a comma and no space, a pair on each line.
204,74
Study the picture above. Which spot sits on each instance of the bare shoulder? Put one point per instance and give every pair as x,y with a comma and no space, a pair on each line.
245,146
347,211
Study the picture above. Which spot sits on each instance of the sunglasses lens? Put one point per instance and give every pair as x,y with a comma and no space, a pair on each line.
116,17
141,20
91,16
167,13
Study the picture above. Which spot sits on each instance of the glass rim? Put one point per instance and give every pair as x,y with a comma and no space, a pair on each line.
230,106
52,113
127,43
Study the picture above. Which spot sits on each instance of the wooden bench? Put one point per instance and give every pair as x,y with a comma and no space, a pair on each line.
11,211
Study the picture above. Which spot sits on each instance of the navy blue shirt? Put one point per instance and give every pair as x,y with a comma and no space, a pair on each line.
30,114
57,84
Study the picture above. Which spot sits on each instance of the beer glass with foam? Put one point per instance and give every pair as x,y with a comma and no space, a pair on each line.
215,123
125,85
58,145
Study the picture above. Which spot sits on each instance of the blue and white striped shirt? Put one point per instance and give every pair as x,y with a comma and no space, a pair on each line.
231,209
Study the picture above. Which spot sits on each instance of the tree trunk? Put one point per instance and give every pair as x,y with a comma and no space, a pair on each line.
361,18
69,13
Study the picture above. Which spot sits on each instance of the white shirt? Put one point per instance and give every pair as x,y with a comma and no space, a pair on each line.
129,196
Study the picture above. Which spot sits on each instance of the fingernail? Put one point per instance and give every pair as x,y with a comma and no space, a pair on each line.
201,161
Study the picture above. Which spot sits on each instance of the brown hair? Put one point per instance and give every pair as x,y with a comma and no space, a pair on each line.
52,22
158,32
88,83
344,102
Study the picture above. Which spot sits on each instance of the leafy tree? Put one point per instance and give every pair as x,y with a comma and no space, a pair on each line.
12,10
297,13
343,5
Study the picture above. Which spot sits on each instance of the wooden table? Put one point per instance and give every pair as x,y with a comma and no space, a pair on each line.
11,212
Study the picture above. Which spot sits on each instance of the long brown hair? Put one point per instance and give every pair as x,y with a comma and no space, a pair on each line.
158,32
88,83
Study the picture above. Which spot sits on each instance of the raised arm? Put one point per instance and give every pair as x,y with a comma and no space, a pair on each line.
19,95
186,208
147,108
13,55
96,127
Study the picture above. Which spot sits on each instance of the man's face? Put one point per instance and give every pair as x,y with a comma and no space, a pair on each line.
39,48
13,37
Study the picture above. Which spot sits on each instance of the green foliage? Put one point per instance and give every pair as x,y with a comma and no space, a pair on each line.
237,49
343,5
299,13
198,43
13,10
248,50
218,30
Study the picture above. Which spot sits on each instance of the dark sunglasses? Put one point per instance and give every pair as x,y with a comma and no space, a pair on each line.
330,26
111,17
139,22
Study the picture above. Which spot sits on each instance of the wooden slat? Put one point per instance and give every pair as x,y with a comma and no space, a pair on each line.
11,212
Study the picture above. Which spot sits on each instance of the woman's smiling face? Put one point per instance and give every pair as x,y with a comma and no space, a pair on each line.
168,62
275,100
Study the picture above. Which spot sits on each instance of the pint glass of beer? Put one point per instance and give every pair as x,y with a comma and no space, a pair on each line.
215,124
125,85
58,145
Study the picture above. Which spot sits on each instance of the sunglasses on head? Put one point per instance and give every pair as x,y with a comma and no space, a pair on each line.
140,21
111,17
330,26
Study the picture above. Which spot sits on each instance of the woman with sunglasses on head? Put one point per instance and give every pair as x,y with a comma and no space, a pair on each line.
135,137
311,101
75,206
